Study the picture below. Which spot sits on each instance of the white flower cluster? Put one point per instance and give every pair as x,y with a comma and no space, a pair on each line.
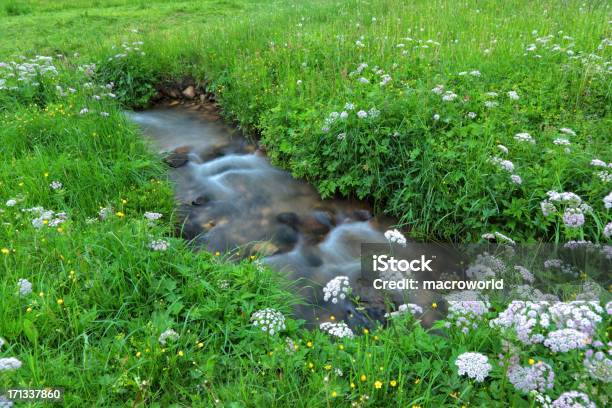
475,365
269,320
561,141
467,314
524,137
525,273
406,308
539,377
485,266
506,165
169,334
56,185
574,208
607,200
573,399
580,315
529,293
46,217
27,72
133,48
567,131
340,329
5,402
395,237
529,320
25,287
600,163
159,245
598,363
152,216
564,340
336,289
105,212
498,237
9,363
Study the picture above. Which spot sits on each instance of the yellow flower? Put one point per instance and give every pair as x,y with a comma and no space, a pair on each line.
41,294
181,353
332,317
119,214
138,354
531,361
60,301
363,378
341,346
310,365
434,305
393,383
309,344
123,201
29,309
352,385
200,345
46,174
5,251
366,331
328,367
334,394
217,253
378,385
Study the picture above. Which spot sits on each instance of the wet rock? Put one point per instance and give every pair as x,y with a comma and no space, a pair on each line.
208,226
189,92
320,223
286,236
362,215
202,200
178,157
288,218
264,248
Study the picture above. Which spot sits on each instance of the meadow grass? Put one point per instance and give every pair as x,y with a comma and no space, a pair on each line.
101,296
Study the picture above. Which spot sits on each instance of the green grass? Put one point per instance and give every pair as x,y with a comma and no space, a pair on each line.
101,297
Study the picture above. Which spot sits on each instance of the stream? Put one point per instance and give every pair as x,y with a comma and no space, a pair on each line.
231,198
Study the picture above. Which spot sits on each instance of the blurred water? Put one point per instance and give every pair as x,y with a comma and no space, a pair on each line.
231,197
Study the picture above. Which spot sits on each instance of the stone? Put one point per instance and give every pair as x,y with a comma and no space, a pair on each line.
178,157
288,218
201,200
362,215
189,92
264,248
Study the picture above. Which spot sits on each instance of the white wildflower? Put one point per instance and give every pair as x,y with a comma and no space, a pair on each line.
340,329
474,365
25,287
269,320
169,334
336,289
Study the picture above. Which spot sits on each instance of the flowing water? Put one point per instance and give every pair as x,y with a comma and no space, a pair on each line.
231,197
